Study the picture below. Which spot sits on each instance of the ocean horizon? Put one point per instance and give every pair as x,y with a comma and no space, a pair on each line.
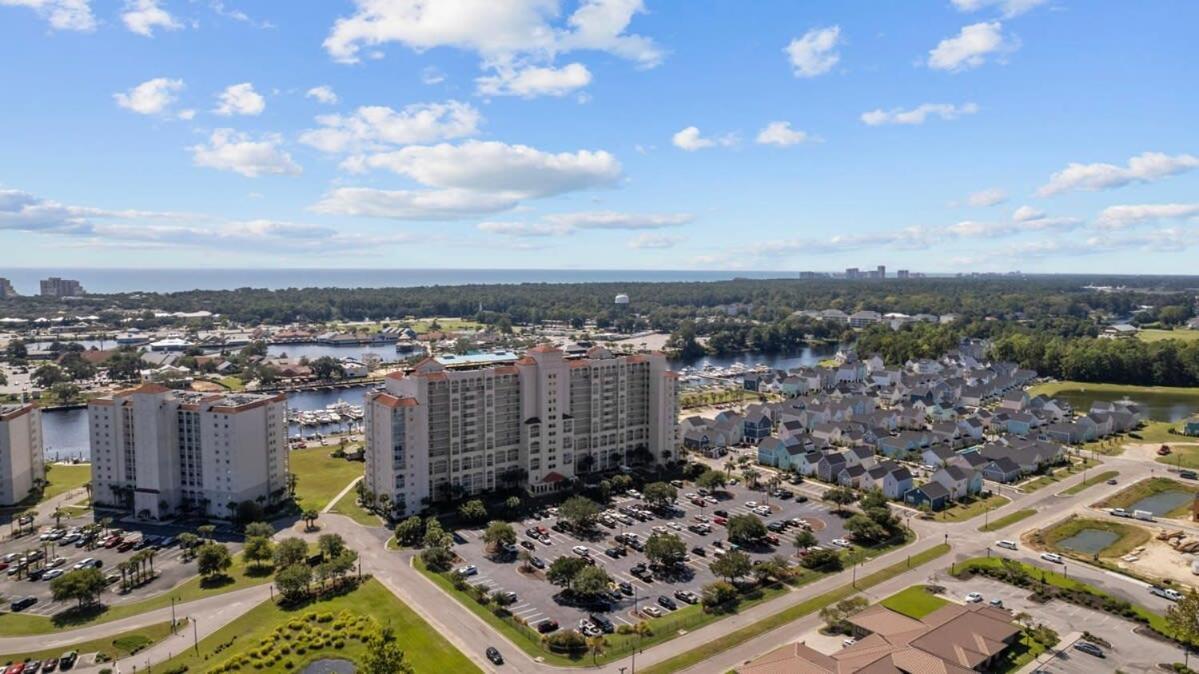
117,280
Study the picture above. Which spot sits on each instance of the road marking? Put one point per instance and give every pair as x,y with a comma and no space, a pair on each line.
617,616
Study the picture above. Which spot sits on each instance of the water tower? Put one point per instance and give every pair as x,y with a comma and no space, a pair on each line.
622,300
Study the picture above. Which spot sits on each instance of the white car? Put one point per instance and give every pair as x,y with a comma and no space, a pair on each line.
1052,557
581,551
762,510
634,493
58,561
52,574
468,570
842,543
973,598
676,526
1010,545
659,530
85,563
751,504
652,611
690,495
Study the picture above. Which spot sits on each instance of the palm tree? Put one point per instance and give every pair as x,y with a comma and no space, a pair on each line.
123,568
596,646
59,513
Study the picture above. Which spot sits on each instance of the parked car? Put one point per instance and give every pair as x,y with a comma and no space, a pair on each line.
997,602
581,550
22,603
547,626
687,596
625,587
51,574
666,602
1089,648
468,570
973,598
699,550
651,611
842,543
67,660
537,562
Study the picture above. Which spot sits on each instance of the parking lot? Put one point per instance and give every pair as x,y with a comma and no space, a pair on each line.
169,567
1128,652
535,602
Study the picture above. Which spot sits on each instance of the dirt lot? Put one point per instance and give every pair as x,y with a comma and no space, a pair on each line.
1158,560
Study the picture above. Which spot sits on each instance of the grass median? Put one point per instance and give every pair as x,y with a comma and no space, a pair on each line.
790,614
964,511
321,477
348,505
1008,519
113,647
1091,481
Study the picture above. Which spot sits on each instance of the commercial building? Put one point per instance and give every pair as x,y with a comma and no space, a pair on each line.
6,289
157,451
953,639
60,287
438,432
21,466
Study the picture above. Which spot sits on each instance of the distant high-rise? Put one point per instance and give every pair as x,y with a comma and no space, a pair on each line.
902,273
853,272
6,289
882,271
61,287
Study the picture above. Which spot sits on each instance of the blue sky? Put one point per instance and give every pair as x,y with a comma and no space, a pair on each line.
943,136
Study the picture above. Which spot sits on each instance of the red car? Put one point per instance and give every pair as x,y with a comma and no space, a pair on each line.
720,520
112,541
15,669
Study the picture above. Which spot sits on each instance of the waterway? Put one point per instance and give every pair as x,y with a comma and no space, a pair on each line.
1163,502
1160,406
65,432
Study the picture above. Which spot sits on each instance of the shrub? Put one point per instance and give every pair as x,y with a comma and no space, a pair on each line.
340,643
324,618
566,641
106,670
624,629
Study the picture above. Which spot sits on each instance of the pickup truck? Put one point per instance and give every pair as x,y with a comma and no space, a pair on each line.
1165,592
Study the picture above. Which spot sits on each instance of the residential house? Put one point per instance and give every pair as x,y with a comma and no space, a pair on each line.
934,494
829,467
958,481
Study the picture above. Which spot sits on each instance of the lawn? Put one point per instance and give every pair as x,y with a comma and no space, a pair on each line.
444,324
62,478
233,383
348,506
1054,387
1129,536
1154,485
320,477
115,647
272,638
914,602
1007,520
790,614
1057,475
964,511
1155,335
20,624
1090,481
706,398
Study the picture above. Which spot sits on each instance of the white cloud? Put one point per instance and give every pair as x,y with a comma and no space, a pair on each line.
323,94
62,14
499,167
377,127
413,204
918,114
1027,213
653,241
689,139
562,224
431,75
187,115
780,133
970,47
151,97
229,150
143,16
220,9
1143,168
1119,217
1008,8
534,81
20,211
991,196
240,99
471,178
814,54
508,37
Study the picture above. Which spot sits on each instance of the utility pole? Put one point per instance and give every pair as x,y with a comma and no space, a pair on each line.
195,636
172,614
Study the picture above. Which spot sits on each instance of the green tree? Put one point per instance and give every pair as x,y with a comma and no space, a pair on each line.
837,615
745,529
717,594
258,550
213,559
512,503
82,585
499,534
384,655
293,581
821,559
563,570
205,531
327,367
841,496
732,565
437,558
262,529
435,536
665,549
48,375
660,494
310,517
1183,619
290,551
713,480
590,581
579,512
408,531
330,545
473,511
16,351
805,539
865,530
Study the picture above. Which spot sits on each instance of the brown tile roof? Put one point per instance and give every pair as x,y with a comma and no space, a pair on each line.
796,658
146,388
544,348
393,401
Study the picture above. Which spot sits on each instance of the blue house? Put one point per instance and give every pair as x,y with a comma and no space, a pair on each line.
932,493
1191,427
772,452
757,426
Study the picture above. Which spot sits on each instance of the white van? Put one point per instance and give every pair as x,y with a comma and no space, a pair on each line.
1010,545
1051,557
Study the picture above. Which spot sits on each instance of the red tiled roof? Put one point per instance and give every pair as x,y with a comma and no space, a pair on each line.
526,361
552,477
544,348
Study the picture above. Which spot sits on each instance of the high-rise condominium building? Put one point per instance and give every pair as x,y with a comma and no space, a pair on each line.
156,451
60,287
20,452
6,289
438,433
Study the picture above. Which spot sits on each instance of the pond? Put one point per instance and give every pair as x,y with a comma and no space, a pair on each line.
1089,541
330,667
1159,405
1163,502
